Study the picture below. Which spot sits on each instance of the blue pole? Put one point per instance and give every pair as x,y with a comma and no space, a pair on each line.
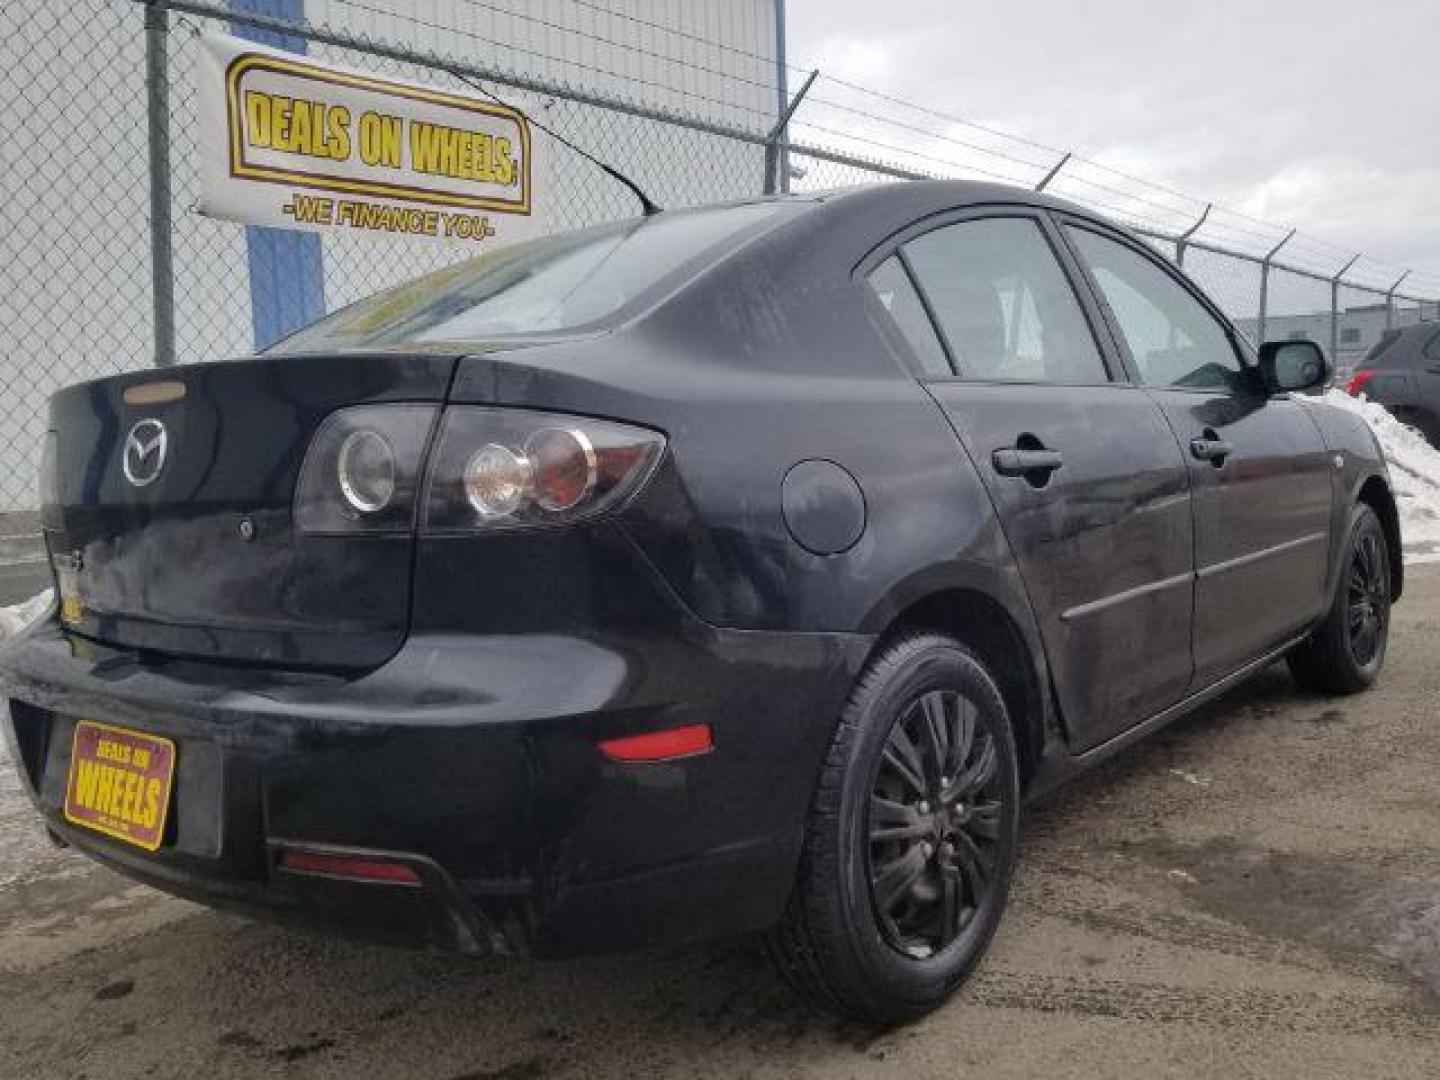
287,280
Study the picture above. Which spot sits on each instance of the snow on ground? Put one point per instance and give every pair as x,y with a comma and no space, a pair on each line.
1414,471
15,618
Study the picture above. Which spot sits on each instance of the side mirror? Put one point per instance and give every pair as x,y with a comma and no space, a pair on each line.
1294,365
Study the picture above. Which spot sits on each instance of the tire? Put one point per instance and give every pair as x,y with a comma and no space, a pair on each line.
1336,658
944,872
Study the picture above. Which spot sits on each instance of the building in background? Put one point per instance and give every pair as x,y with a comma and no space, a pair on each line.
1359,328
76,298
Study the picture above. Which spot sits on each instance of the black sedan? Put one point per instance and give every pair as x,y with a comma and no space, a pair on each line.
734,569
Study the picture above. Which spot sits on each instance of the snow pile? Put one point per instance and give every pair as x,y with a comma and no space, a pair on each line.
1414,468
15,618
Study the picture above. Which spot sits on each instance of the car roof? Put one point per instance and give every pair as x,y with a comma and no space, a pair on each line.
943,194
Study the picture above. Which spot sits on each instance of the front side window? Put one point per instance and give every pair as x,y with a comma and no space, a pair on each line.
1173,339
1004,304
897,295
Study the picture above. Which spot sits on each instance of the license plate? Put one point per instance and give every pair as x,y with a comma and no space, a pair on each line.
120,783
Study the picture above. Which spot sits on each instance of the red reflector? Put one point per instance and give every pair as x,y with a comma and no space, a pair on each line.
1358,381
349,866
660,745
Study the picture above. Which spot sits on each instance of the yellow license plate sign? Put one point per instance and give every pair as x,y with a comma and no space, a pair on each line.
120,782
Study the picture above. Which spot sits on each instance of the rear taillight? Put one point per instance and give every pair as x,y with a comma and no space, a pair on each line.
491,468
362,471
507,468
1359,381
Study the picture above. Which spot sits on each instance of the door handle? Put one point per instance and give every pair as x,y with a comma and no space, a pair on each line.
1017,461
1211,449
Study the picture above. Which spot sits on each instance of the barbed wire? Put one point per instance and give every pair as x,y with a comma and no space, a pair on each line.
1223,224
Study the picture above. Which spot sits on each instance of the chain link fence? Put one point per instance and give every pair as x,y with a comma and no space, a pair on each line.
692,115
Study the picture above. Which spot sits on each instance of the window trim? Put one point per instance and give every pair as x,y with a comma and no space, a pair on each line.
890,327
1110,360
1107,232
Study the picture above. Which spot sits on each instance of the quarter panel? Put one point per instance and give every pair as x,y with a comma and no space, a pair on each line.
1361,458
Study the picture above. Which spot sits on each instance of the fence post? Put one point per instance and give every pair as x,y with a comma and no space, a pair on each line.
157,96
1390,300
1335,309
776,177
1265,286
1183,238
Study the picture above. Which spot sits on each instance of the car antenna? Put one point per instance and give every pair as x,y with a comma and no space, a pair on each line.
647,205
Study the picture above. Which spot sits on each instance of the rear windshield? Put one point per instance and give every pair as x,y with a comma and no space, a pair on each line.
558,283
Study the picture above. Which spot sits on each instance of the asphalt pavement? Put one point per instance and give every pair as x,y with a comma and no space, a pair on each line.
1254,892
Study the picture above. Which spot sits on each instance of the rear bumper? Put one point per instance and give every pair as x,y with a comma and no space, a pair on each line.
473,760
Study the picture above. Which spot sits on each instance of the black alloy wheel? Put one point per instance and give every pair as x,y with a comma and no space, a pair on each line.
935,814
1367,598
1344,653
911,839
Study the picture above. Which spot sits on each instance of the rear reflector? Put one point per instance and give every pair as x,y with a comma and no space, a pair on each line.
354,867
660,745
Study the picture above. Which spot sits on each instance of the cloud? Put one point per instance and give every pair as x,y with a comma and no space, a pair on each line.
1320,114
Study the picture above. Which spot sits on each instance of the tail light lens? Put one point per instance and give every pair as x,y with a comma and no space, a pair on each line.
1358,381
362,471
490,468
509,468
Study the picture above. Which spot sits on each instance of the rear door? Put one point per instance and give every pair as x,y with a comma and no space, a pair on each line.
1260,474
1087,478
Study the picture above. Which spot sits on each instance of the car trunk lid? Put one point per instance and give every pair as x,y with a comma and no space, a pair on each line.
183,541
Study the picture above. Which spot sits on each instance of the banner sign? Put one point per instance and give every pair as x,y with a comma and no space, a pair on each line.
291,142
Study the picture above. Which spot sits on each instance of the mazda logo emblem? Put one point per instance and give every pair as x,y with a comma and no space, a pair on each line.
145,450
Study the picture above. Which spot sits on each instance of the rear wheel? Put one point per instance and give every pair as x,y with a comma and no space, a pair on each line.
911,838
1344,654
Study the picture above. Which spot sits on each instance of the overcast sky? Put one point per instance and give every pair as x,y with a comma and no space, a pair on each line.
1314,113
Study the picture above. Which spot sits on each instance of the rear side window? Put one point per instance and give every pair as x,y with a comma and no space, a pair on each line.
1173,339
1004,304
557,283
895,291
